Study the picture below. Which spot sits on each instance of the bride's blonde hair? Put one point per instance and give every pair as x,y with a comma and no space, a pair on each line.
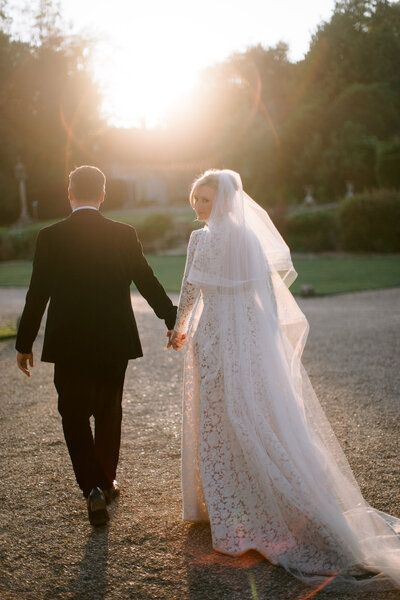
209,177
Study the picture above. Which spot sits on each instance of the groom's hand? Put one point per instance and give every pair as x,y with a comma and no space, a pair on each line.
22,361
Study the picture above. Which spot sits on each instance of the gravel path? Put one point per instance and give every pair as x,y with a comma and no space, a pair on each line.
48,549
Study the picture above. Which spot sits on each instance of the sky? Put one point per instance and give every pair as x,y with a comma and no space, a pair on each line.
150,52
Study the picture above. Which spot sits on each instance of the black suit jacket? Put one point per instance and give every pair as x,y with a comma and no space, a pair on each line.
85,266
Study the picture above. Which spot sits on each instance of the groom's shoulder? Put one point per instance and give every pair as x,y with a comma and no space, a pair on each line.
119,228
53,229
117,224
104,221
104,226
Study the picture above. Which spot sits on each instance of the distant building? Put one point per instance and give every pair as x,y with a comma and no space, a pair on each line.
144,185
145,167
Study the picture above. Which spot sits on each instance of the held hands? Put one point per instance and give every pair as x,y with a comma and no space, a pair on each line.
176,340
22,362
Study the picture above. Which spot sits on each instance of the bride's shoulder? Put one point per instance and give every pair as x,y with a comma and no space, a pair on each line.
193,240
197,232
195,235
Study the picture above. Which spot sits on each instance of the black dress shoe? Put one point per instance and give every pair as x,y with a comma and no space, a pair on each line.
97,510
112,492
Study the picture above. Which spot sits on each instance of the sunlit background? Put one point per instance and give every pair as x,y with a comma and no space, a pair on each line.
153,51
301,98
147,54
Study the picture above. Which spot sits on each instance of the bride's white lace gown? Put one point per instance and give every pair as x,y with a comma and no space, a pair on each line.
260,461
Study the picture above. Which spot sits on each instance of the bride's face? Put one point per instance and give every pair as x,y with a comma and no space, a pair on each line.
203,202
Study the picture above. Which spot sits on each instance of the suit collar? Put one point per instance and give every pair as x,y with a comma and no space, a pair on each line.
85,211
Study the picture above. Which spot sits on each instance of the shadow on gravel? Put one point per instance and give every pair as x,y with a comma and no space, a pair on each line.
92,581
213,575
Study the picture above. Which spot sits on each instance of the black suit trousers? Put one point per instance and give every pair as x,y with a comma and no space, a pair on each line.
85,390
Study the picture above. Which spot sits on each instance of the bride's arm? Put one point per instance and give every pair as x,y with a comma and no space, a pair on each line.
189,292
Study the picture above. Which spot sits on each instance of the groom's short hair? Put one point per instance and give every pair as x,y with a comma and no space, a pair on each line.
87,183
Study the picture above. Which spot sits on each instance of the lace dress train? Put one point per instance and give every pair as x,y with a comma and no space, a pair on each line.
260,461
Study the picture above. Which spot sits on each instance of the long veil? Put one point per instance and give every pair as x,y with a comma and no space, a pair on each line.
242,255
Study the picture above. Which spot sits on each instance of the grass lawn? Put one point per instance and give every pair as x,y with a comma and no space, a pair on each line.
8,331
328,275
338,275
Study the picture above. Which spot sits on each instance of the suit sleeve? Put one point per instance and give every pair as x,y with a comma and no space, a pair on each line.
149,286
36,298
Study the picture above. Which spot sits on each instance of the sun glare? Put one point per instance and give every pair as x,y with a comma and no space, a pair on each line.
145,74
139,93
149,54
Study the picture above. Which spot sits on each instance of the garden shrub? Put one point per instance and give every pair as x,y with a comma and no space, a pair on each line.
370,222
18,243
388,165
314,231
367,222
153,229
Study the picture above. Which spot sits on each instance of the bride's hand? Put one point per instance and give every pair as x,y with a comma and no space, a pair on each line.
176,340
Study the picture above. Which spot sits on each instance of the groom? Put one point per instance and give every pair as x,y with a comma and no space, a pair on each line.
85,265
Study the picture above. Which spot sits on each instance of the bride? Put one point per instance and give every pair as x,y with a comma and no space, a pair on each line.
260,461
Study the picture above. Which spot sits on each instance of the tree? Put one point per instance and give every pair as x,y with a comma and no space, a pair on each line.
48,108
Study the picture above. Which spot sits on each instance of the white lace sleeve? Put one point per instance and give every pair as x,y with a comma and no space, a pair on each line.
189,292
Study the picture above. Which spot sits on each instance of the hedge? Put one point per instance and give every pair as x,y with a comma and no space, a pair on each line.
370,222
388,165
157,231
315,231
19,243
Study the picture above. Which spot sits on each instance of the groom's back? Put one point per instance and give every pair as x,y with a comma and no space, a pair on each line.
90,261
87,250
